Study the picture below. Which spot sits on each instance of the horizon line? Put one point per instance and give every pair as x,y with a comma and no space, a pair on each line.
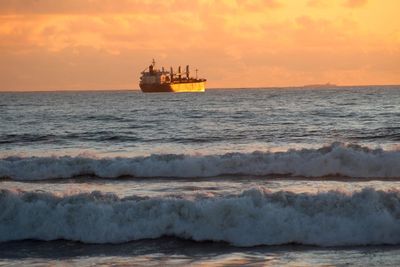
310,86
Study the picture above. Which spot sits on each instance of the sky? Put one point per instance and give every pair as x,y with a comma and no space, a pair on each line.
105,44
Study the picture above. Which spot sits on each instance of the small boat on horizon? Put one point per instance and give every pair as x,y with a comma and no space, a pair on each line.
157,81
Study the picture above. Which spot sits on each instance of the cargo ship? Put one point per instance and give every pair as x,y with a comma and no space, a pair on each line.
159,80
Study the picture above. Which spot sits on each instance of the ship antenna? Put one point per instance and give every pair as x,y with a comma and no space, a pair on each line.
153,62
196,73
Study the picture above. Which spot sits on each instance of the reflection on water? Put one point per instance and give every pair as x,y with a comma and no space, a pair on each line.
175,252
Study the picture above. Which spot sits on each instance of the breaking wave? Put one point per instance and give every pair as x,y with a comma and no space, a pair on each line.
336,159
254,217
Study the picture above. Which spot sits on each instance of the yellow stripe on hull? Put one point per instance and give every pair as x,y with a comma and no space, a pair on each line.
188,87
174,87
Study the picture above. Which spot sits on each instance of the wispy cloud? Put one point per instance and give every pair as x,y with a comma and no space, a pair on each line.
355,3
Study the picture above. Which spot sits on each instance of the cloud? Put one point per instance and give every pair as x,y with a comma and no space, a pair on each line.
256,5
82,6
46,44
328,3
319,3
355,3
130,6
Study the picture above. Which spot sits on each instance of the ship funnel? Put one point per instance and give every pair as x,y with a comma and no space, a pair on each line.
187,71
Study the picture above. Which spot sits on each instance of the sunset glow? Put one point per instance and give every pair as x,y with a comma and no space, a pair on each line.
105,44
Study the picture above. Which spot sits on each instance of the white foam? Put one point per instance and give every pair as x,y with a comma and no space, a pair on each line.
336,159
254,217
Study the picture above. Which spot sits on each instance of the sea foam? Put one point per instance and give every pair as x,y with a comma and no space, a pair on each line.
336,159
253,217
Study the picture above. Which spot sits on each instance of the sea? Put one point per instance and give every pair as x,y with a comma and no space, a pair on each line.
229,177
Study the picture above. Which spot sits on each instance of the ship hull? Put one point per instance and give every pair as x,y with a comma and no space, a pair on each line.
193,87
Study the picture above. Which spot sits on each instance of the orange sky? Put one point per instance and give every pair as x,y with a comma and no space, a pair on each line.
104,44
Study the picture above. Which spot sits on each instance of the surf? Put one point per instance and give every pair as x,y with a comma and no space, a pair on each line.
253,217
336,159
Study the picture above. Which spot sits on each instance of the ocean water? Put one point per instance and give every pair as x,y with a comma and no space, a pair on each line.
255,177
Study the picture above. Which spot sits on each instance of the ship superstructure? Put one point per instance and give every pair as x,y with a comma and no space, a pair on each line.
155,80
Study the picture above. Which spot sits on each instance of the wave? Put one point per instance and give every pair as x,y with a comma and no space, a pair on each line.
254,217
336,159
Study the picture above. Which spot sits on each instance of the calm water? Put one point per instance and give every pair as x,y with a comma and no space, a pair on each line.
257,177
